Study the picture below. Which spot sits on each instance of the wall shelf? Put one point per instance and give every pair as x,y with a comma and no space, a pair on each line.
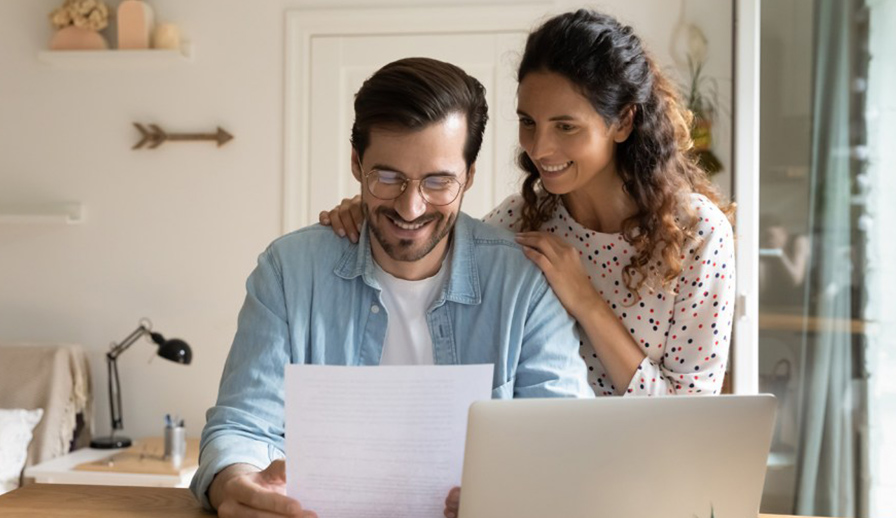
116,59
59,213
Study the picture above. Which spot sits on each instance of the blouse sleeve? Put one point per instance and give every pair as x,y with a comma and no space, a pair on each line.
507,214
696,349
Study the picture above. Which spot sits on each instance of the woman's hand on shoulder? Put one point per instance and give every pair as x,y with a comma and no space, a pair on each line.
563,269
345,218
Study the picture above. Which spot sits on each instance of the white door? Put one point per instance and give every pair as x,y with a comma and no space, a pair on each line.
340,64
331,53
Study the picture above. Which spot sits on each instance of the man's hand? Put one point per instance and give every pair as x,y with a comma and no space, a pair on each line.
452,503
241,490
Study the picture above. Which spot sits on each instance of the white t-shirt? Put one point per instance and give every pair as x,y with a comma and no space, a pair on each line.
408,341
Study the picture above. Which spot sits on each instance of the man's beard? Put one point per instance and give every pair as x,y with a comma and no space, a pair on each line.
404,249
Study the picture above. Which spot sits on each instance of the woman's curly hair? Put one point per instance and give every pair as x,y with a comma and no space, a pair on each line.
607,62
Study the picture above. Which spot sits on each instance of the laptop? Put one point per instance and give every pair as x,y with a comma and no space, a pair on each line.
631,457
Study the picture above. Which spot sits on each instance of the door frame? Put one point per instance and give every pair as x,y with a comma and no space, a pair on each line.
745,187
304,24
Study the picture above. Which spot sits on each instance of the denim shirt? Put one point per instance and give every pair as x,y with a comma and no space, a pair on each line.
314,299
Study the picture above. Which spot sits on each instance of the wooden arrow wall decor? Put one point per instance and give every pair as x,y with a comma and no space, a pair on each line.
152,136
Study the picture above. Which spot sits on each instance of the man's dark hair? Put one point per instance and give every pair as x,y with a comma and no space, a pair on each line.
413,93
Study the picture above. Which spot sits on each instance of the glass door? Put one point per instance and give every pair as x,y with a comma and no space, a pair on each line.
822,287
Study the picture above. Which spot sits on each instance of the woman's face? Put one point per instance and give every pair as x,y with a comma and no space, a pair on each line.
570,144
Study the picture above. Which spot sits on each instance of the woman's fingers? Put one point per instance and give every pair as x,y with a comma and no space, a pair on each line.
354,216
537,257
562,266
535,247
345,218
333,219
346,224
546,244
350,218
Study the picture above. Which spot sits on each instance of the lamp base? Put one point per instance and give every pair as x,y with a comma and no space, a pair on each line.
108,443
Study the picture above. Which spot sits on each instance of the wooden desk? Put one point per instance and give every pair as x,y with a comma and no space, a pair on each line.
59,500
52,500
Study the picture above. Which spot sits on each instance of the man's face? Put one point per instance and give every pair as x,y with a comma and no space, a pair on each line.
408,233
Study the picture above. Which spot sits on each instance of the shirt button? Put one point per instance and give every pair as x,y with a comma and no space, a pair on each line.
374,309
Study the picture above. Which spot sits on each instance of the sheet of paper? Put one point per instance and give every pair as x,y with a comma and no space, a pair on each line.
378,442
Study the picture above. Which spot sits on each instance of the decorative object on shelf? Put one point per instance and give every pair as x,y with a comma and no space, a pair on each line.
134,25
175,350
166,36
702,100
78,23
156,136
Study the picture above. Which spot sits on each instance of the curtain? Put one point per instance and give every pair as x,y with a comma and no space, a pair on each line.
881,249
825,461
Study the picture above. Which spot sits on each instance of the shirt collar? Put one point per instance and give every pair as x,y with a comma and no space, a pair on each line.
463,279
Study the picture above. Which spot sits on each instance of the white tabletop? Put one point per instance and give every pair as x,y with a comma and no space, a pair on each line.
61,471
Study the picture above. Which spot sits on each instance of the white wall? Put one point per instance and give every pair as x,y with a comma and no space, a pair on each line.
170,234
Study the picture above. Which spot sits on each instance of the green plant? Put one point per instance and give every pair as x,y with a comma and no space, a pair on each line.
702,97
703,101
703,91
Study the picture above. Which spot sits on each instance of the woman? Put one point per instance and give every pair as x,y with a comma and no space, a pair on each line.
629,232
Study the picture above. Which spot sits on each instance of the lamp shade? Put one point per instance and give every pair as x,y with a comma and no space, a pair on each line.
175,349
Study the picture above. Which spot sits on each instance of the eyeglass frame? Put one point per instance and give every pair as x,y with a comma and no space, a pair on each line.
404,186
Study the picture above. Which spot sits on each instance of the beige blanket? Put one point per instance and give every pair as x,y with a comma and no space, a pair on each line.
55,378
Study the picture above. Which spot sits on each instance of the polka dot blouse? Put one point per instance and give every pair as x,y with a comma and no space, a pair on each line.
685,335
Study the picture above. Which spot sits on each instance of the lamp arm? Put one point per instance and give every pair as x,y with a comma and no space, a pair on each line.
112,367
114,394
116,351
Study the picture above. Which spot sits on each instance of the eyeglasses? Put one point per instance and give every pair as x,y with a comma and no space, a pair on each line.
435,190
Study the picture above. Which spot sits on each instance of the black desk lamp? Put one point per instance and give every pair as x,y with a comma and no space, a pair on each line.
175,350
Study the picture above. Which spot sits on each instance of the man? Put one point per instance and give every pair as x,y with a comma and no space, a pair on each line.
425,284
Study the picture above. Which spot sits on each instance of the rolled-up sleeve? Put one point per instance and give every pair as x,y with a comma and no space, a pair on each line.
246,425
